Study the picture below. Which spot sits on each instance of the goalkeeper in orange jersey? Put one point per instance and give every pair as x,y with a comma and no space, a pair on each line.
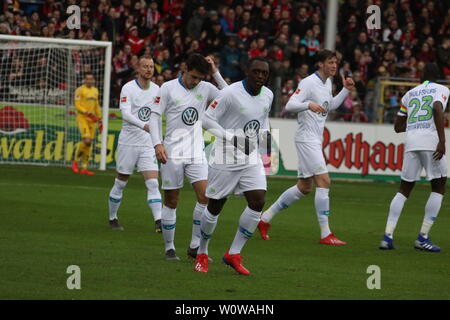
88,114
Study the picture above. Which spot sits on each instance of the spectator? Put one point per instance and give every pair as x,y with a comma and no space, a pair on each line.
393,33
311,43
426,54
231,58
443,56
195,24
134,41
358,114
228,22
257,48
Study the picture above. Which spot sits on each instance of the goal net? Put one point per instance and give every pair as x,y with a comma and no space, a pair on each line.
38,79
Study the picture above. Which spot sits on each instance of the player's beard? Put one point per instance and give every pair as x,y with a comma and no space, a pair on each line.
147,77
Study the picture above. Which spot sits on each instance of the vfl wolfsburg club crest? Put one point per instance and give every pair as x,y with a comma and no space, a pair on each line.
144,113
189,116
251,128
325,105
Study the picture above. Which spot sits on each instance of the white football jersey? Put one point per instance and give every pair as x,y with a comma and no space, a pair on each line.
184,110
239,113
417,105
141,102
311,124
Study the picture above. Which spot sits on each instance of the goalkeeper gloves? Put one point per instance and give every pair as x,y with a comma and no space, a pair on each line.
100,125
93,117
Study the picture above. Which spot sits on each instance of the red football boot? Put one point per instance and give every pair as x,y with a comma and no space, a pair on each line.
263,227
235,261
86,171
201,263
75,167
332,240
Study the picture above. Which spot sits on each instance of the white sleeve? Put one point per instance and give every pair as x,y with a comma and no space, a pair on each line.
220,80
299,102
213,92
161,101
125,108
339,98
442,96
214,112
155,128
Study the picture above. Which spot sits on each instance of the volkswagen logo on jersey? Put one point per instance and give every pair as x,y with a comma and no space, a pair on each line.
189,116
144,113
251,128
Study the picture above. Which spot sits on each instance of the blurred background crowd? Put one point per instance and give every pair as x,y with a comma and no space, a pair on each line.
287,32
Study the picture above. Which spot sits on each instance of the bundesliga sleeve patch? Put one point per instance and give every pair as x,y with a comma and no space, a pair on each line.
444,97
297,91
123,99
214,104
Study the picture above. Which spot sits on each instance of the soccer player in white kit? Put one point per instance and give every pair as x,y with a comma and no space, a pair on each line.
421,116
312,101
183,102
236,117
137,99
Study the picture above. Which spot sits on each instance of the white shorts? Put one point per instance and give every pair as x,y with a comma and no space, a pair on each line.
130,157
310,159
173,172
222,183
415,161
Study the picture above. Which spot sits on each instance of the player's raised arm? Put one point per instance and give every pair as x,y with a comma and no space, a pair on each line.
125,108
348,85
216,74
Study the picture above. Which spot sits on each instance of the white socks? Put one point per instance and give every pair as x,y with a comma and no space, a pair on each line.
394,213
115,196
154,198
168,222
247,224
431,212
207,225
322,204
196,221
286,199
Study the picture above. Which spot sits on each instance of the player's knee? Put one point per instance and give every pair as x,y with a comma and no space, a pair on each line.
152,184
438,185
215,206
201,198
171,202
256,204
305,189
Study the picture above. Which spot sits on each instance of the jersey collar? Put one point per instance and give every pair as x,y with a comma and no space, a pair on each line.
181,83
318,76
244,83
137,82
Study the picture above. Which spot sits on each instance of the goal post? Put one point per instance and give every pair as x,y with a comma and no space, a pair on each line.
38,79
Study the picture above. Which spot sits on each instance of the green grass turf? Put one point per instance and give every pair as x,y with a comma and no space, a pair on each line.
52,218
53,116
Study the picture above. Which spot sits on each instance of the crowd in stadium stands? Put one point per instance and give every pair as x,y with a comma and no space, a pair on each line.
287,32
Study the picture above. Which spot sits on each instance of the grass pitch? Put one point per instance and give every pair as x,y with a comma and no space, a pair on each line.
52,218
